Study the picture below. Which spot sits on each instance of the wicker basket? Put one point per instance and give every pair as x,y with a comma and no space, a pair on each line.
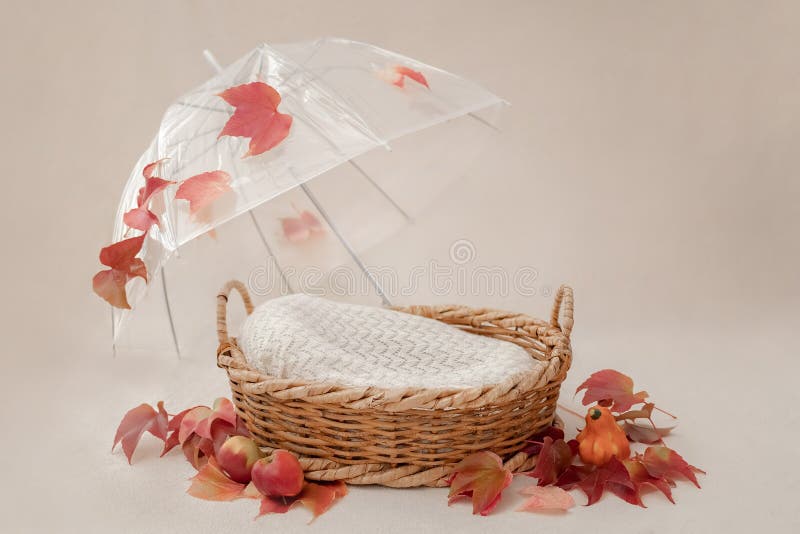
405,437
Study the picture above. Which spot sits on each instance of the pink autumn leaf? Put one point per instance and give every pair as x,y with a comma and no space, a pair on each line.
201,430
197,450
302,227
256,116
316,497
212,484
203,189
546,499
190,420
151,187
222,411
136,422
174,431
124,266
140,218
397,74
149,170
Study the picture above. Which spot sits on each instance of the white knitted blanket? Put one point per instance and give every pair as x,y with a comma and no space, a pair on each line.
311,338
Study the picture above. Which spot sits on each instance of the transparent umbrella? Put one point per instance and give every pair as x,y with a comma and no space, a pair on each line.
336,172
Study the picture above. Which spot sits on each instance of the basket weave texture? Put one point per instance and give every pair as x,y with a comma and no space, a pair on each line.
405,437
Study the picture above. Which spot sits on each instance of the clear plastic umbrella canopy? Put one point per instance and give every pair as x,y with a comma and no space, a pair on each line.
375,138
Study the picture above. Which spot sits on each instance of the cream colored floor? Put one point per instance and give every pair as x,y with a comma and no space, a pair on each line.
650,160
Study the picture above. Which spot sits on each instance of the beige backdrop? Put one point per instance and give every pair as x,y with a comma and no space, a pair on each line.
650,159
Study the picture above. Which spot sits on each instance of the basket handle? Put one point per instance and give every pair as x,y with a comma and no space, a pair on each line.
562,310
222,307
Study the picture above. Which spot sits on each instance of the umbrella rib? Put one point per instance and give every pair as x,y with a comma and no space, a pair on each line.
113,335
169,311
484,121
198,106
371,277
216,129
382,191
270,253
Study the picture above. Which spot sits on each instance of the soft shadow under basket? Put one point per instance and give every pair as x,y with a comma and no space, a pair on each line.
411,436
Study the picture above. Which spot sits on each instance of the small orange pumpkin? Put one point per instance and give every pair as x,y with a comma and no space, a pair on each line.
602,438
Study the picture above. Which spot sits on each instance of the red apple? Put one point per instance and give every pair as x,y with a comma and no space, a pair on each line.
280,477
237,456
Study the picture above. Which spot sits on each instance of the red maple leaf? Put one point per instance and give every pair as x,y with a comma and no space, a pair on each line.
256,116
482,477
136,422
315,496
612,388
554,459
641,477
663,462
121,257
613,477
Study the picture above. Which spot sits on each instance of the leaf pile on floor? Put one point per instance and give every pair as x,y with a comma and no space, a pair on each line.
229,463
599,460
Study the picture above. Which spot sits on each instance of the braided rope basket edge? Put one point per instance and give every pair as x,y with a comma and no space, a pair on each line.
405,437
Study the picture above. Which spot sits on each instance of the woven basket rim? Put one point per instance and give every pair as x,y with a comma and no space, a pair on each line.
481,321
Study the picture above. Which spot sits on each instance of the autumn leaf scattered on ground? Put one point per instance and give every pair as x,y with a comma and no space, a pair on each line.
317,497
642,478
663,462
174,427
554,459
211,484
256,116
536,442
203,430
611,386
614,477
645,432
136,422
546,499
481,477
214,427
